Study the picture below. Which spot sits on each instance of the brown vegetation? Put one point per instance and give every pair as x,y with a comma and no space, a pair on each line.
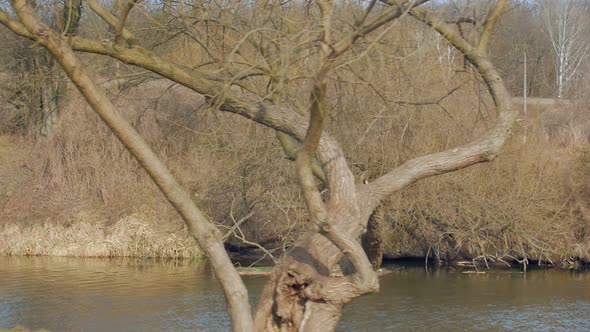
22,329
73,178
237,172
67,187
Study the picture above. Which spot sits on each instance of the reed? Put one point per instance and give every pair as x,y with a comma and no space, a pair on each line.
136,235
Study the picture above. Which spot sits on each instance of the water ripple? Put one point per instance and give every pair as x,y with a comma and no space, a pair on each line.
65,294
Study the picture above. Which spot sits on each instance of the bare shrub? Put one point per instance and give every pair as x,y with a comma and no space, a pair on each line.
527,205
231,167
414,92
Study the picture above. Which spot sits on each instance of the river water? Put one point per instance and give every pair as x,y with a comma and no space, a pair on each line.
73,294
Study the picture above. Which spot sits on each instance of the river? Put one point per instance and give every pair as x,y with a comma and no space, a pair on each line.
75,294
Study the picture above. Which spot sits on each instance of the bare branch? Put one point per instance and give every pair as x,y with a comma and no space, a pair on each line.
481,150
110,19
489,24
125,7
14,26
311,142
433,101
236,231
204,232
462,19
366,13
395,12
290,147
237,224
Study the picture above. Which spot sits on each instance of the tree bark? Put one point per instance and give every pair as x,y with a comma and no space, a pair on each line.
326,268
53,90
373,238
207,235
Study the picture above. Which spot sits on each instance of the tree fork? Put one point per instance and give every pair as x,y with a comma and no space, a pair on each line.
309,269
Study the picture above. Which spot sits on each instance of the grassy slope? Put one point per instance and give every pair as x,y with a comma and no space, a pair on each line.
23,231
80,194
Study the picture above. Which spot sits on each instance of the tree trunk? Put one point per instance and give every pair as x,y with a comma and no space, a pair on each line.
206,234
373,238
53,90
327,267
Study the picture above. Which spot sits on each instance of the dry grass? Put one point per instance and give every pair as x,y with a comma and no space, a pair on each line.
12,173
22,329
84,182
85,193
88,197
137,235
529,203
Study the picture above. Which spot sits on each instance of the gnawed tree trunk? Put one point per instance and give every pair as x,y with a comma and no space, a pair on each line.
373,238
327,267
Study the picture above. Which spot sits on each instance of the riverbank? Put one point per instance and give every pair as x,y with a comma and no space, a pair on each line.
79,193
22,329
40,218
37,221
137,235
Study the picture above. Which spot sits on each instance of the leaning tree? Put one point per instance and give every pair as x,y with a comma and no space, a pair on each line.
256,51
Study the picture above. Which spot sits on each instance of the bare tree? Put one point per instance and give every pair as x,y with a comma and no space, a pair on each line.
41,87
567,26
327,267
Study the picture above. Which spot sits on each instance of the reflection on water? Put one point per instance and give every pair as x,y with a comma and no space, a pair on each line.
70,294
416,300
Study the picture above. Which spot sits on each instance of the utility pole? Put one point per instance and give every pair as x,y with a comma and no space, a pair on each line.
524,96
524,86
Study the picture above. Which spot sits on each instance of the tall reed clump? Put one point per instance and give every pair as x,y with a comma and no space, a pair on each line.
22,329
136,235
